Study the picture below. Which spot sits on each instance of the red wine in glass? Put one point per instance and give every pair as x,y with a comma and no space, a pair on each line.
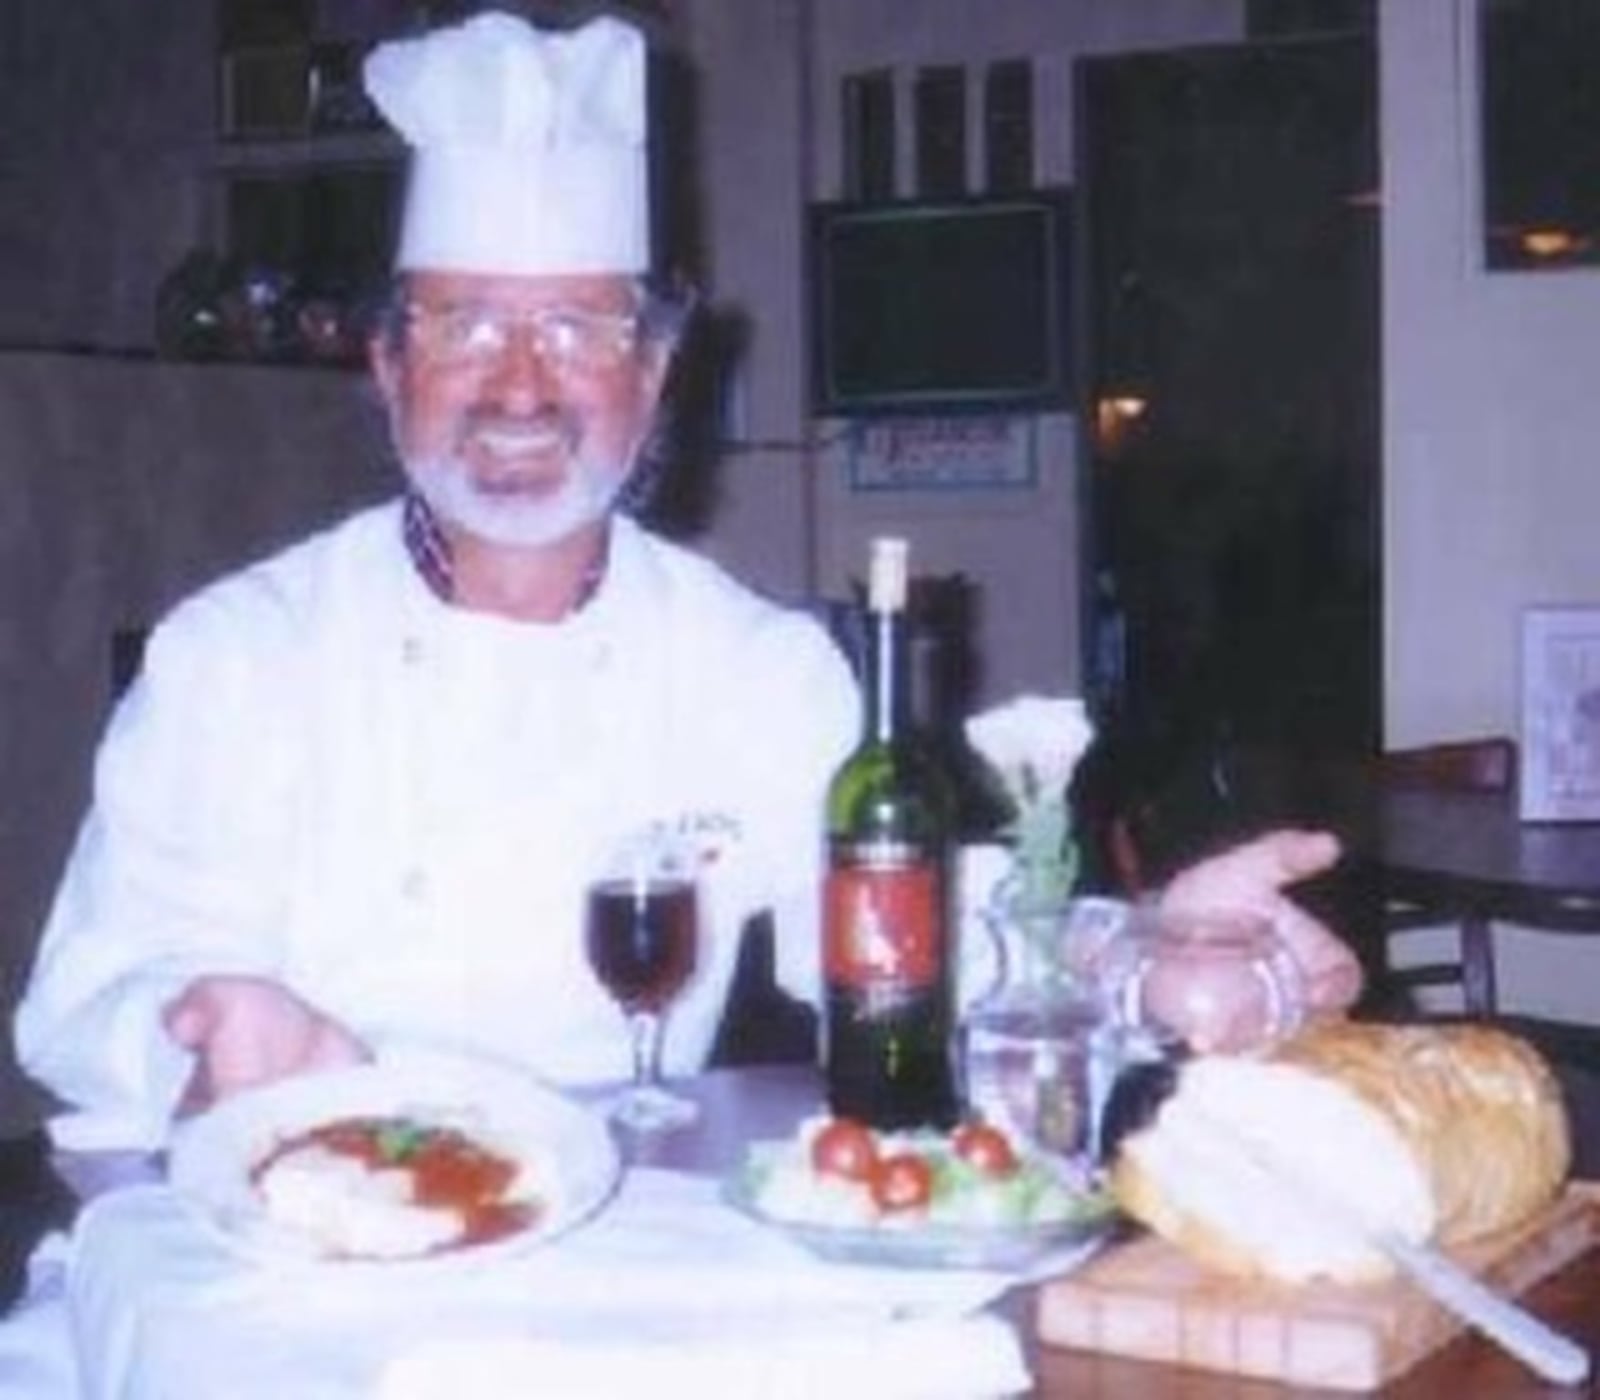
641,939
640,933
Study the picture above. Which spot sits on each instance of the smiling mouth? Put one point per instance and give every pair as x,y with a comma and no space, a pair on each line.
537,440
521,458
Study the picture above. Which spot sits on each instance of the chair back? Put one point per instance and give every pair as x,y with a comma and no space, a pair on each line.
1466,765
940,626
1467,961
1483,765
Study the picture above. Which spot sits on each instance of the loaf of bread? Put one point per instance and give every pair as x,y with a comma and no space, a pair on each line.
1440,1132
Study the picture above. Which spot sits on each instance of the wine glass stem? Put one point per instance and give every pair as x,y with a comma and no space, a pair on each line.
646,1029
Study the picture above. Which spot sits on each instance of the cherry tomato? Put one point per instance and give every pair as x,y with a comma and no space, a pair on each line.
845,1148
986,1148
902,1181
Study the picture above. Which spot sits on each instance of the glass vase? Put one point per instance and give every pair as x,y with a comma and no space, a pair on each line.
1033,1046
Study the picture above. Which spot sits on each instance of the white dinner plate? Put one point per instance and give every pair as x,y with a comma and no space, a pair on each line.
569,1147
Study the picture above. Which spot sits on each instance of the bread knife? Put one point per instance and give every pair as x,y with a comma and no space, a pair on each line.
1548,1353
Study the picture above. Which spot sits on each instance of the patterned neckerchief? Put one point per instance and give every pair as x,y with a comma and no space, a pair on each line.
428,548
430,554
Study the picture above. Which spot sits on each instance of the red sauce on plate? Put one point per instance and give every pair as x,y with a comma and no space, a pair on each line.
449,1170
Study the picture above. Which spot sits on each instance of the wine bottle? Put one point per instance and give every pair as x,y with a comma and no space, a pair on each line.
887,952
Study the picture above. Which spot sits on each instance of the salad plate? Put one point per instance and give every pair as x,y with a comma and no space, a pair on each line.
559,1156
1034,1216
989,1248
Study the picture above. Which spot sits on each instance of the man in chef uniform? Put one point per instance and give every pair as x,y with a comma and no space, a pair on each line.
357,792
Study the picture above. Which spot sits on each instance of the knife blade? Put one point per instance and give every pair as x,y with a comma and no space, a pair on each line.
1547,1352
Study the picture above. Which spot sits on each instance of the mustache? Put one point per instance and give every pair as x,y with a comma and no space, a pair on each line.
554,419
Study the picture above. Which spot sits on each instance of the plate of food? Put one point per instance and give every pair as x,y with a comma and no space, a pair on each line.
966,1199
420,1158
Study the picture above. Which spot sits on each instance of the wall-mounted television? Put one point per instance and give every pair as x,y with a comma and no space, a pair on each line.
940,306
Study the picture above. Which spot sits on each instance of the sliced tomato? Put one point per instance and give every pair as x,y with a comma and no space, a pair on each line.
845,1148
902,1181
986,1148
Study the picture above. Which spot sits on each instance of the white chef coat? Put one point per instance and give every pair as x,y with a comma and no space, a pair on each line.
327,776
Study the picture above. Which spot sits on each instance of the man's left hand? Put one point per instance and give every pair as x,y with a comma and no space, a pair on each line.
248,1031
1253,876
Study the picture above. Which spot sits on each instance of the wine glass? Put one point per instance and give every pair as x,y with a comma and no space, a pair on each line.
1217,981
641,932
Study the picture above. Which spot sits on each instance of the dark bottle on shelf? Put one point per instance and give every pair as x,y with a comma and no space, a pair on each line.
887,951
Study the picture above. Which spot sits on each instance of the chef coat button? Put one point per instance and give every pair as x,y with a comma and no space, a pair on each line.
410,651
415,885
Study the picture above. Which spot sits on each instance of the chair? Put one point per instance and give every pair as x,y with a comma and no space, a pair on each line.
762,1024
1467,765
1487,765
1571,1048
127,656
941,611
33,1201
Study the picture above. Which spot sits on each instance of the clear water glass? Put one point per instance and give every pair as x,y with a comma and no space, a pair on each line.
1033,1049
1218,981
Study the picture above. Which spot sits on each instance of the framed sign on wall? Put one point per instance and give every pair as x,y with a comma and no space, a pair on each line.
1560,714
943,454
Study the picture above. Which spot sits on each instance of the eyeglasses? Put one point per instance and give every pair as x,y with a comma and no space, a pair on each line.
458,334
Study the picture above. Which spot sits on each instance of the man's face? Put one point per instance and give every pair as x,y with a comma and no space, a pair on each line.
518,404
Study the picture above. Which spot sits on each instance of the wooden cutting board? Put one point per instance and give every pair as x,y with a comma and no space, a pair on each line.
1145,1299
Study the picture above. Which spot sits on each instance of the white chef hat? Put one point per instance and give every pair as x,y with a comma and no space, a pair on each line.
528,146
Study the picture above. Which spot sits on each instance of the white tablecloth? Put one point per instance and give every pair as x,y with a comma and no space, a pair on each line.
667,1284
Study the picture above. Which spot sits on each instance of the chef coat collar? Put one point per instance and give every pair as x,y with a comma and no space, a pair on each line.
429,551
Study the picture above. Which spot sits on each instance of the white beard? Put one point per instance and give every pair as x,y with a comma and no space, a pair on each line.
585,496
516,519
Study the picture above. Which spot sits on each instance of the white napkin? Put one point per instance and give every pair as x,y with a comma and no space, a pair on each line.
668,1283
916,1359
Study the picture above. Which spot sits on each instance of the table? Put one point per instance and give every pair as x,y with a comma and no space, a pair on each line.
741,1104
1463,858
1467,857
1472,848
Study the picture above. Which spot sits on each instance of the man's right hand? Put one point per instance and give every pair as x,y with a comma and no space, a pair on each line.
246,1031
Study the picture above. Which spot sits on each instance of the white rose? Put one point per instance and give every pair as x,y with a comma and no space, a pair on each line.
1033,736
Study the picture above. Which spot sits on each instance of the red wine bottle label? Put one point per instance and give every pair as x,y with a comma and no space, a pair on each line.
882,925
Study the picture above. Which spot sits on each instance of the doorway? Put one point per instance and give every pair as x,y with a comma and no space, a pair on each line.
1230,418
